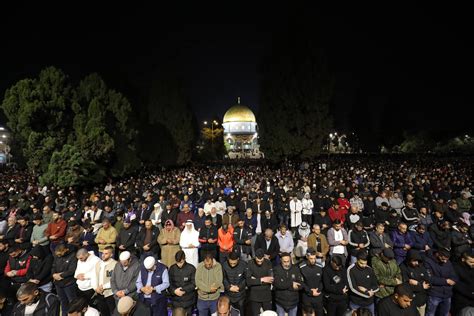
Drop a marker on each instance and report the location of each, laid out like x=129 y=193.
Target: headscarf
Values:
x=169 y=225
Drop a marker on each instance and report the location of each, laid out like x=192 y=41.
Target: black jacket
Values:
x=154 y=246
x=271 y=223
x=441 y=238
x=240 y=245
x=48 y=305
x=184 y=278
x=387 y=307
x=172 y=215
x=355 y=238
x=460 y=242
x=334 y=283
x=463 y=291
x=235 y=276
x=361 y=277
x=312 y=279
x=419 y=274
x=285 y=295
x=127 y=237
x=259 y=292
x=208 y=233
x=40 y=267
x=274 y=248
x=65 y=265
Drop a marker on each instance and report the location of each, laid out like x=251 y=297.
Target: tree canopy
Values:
x=71 y=135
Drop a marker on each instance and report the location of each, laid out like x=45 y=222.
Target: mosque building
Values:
x=241 y=132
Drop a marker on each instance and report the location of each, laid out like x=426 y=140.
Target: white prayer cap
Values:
x=149 y=262
x=124 y=256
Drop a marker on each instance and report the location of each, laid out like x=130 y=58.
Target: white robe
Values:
x=295 y=209
x=190 y=237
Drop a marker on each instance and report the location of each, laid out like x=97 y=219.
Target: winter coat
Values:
x=438 y=274
x=207 y=278
x=285 y=295
x=259 y=292
x=388 y=276
x=66 y=265
x=185 y=278
x=235 y=276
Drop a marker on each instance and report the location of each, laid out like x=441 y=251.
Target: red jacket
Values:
x=57 y=229
x=340 y=214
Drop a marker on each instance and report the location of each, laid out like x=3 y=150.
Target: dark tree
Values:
x=296 y=90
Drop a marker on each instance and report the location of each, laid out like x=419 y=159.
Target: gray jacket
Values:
x=125 y=279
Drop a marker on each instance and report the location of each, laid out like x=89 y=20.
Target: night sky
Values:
x=406 y=68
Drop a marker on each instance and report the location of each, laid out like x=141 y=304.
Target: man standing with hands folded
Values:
x=288 y=282
x=259 y=278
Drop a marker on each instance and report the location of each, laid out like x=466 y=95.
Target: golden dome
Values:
x=239 y=113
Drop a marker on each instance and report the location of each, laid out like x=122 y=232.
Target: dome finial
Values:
x=238 y=100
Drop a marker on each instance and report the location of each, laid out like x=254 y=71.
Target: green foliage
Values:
x=69 y=167
x=71 y=135
x=295 y=94
x=39 y=116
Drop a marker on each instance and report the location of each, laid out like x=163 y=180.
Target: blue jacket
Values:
x=421 y=240
x=399 y=240
x=438 y=274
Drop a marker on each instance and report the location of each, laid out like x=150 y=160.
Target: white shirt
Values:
x=91 y=312
x=338 y=236
x=30 y=309
x=88 y=269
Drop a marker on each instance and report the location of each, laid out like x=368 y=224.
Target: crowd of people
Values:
x=343 y=236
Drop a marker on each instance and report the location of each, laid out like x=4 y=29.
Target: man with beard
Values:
x=400 y=303
x=56 y=230
x=243 y=240
x=169 y=242
x=101 y=281
x=64 y=266
x=208 y=238
x=208 y=283
x=259 y=278
x=127 y=237
x=421 y=239
x=461 y=240
x=336 y=287
x=318 y=242
x=402 y=242
x=358 y=240
x=32 y=301
x=415 y=274
x=441 y=235
x=312 y=284
x=17 y=266
x=189 y=243
x=23 y=233
x=234 y=281
x=287 y=283
x=379 y=240
x=387 y=272
x=443 y=279
x=147 y=240
x=39 y=271
x=269 y=244
x=362 y=283
x=152 y=282
x=182 y=284
x=463 y=295
x=124 y=276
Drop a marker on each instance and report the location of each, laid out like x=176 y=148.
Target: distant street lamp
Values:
x=212 y=131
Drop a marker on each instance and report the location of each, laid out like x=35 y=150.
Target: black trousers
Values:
x=257 y=305
x=336 y=308
x=240 y=305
